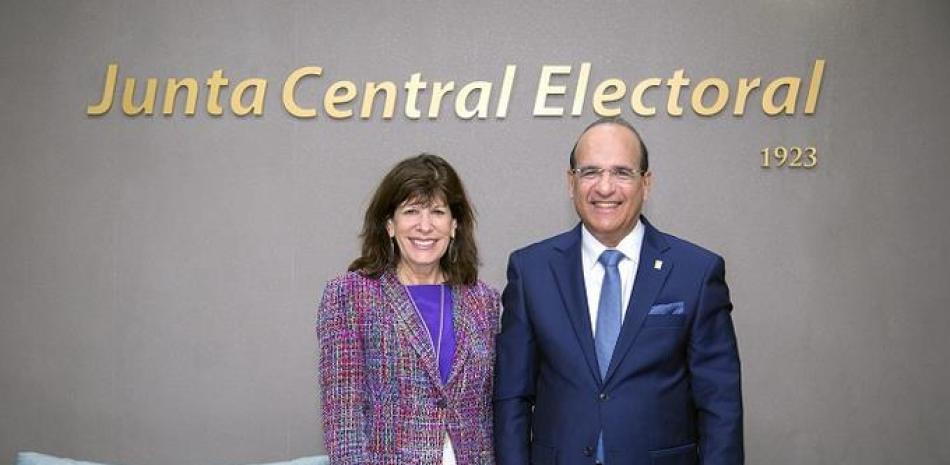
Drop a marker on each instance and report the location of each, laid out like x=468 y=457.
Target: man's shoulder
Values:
x=545 y=247
x=687 y=250
x=679 y=247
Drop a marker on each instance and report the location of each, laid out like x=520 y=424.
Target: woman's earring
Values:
x=453 y=250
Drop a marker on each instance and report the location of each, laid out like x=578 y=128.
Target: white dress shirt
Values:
x=448 y=452
x=591 y=249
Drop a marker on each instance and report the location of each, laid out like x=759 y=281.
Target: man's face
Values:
x=609 y=207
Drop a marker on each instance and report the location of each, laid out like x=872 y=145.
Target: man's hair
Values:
x=644 y=156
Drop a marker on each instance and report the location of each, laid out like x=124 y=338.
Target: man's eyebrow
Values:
x=611 y=166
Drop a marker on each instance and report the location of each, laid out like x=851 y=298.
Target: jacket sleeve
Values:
x=493 y=303
x=516 y=370
x=341 y=376
x=714 y=368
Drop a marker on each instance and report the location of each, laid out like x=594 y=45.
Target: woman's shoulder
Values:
x=351 y=278
x=483 y=289
x=348 y=294
x=350 y=282
x=487 y=303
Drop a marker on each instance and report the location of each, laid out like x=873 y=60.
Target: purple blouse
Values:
x=426 y=298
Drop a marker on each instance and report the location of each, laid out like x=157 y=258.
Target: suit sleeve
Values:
x=341 y=377
x=714 y=367
x=494 y=307
x=515 y=374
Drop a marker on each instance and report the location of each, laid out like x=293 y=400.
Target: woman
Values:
x=407 y=335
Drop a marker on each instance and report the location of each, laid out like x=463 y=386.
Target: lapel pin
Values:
x=658 y=265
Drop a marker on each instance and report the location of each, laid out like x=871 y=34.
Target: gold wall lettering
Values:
x=415 y=98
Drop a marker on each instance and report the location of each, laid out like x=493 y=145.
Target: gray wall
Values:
x=158 y=276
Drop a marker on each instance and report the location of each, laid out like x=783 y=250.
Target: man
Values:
x=617 y=346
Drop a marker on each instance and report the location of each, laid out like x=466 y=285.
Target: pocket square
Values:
x=673 y=308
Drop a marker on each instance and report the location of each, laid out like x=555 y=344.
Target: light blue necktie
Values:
x=608 y=320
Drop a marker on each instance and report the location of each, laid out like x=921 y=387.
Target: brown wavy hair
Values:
x=422 y=178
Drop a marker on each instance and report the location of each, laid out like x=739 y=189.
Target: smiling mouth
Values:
x=605 y=204
x=423 y=244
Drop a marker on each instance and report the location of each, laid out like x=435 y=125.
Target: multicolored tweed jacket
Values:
x=383 y=401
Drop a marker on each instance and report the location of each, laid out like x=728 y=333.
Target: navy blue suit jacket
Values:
x=672 y=391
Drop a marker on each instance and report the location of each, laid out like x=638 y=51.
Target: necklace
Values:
x=438 y=345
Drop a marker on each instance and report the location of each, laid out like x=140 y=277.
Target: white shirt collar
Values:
x=630 y=246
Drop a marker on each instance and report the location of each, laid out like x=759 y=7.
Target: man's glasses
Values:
x=617 y=173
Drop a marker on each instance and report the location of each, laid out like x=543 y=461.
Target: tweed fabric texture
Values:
x=383 y=400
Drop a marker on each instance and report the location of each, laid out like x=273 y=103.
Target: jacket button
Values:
x=588 y=451
x=441 y=403
x=603 y=396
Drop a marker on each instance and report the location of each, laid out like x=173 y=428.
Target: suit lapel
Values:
x=646 y=286
x=409 y=325
x=463 y=315
x=570 y=283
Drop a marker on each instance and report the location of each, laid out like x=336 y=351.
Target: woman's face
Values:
x=422 y=232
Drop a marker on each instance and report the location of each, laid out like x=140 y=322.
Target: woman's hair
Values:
x=423 y=178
